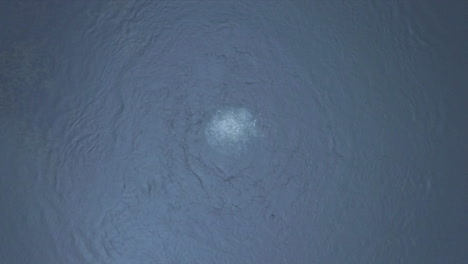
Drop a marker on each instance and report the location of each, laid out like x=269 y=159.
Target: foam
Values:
x=230 y=130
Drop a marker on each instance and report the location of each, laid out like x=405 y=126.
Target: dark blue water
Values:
x=233 y=132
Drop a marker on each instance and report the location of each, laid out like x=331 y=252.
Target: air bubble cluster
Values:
x=230 y=130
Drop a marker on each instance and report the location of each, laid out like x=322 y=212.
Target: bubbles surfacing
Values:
x=230 y=130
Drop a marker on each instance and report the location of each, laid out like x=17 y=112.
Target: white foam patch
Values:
x=230 y=130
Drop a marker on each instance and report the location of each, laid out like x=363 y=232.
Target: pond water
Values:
x=235 y=132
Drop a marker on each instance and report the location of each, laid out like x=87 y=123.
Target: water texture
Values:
x=233 y=132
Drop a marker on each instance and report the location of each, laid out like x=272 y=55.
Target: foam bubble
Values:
x=230 y=130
